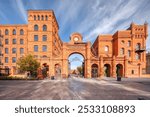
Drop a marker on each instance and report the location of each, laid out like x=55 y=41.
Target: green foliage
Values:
x=28 y=63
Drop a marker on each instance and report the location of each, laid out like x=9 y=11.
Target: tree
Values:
x=80 y=69
x=28 y=63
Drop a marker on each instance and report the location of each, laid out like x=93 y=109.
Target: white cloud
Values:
x=107 y=24
x=19 y=6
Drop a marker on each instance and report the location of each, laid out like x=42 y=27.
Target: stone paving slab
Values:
x=75 y=89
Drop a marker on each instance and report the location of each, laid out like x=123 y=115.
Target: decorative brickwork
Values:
x=121 y=54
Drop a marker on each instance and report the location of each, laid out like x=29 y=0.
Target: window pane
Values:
x=46 y=17
x=6 y=59
x=14 y=41
x=21 y=50
x=36 y=27
x=21 y=41
x=106 y=48
x=13 y=59
x=6 y=41
x=35 y=48
x=129 y=53
x=42 y=17
x=14 y=32
x=44 y=37
x=6 y=32
x=122 y=51
x=138 y=46
x=44 y=28
x=137 y=56
x=34 y=17
x=14 y=50
x=35 y=37
x=44 y=48
x=6 y=50
x=38 y=17
x=21 y=32
x=129 y=43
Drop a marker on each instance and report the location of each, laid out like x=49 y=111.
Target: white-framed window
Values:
x=122 y=51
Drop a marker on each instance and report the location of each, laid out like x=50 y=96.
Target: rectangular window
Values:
x=21 y=41
x=36 y=37
x=21 y=50
x=14 y=50
x=14 y=41
x=44 y=48
x=44 y=38
x=6 y=51
x=35 y=48
x=6 y=41
x=13 y=59
x=6 y=59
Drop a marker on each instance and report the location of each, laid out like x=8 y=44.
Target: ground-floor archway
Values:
x=107 y=70
x=76 y=65
x=94 y=71
x=119 y=70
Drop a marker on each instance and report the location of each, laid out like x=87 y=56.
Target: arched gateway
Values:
x=122 y=53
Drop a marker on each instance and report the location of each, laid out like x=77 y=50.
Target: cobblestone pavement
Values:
x=76 y=88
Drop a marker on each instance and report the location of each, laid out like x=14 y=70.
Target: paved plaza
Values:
x=76 y=89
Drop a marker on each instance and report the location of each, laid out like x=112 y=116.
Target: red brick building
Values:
x=122 y=53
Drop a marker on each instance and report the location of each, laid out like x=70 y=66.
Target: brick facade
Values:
x=119 y=54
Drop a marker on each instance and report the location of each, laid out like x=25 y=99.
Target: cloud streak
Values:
x=88 y=17
x=19 y=6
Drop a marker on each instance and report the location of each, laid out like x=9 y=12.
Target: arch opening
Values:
x=94 y=71
x=107 y=70
x=119 y=70
x=76 y=65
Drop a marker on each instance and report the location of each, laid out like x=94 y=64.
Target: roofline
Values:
x=7 y=25
x=46 y=10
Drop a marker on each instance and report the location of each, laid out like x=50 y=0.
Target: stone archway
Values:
x=94 y=71
x=107 y=70
x=119 y=70
x=76 y=65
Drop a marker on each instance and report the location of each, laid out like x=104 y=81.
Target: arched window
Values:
x=106 y=48
x=14 y=32
x=36 y=28
x=44 y=28
x=122 y=42
x=122 y=51
x=21 y=32
x=38 y=17
x=21 y=41
x=46 y=17
x=129 y=43
x=129 y=53
x=34 y=17
x=6 y=32
x=42 y=17
x=138 y=46
x=137 y=57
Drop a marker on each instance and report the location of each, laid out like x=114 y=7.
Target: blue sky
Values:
x=88 y=17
